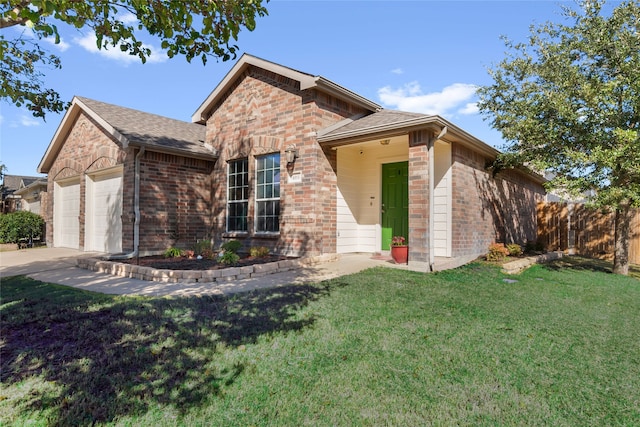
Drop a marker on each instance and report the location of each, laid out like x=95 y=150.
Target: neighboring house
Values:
x=22 y=193
x=280 y=158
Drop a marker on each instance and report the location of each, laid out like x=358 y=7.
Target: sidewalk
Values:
x=58 y=265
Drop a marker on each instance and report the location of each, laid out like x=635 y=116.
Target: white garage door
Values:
x=65 y=215
x=103 y=213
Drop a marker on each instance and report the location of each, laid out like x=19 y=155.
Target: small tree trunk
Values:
x=621 y=242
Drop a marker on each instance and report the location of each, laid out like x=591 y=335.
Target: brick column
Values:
x=419 y=200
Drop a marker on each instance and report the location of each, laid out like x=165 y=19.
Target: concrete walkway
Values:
x=58 y=265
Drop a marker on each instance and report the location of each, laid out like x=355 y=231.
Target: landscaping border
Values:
x=151 y=274
x=522 y=264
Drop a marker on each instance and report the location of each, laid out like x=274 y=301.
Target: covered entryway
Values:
x=66 y=212
x=103 y=231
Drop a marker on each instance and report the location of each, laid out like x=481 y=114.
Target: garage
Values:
x=103 y=231
x=66 y=224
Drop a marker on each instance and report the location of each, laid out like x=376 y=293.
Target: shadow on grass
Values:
x=588 y=264
x=114 y=356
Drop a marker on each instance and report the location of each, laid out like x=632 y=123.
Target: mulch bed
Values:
x=184 y=263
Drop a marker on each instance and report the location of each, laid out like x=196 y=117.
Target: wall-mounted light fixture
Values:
x=291 y=154
x=385 y=141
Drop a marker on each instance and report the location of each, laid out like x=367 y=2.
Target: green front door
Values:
x=395 y=202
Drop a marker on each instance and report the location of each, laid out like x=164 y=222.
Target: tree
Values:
x=194 y=28
x=567 y=101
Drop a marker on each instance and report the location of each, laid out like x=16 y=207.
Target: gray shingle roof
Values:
x=151 y=130
x=12 y=182
x=374 y=120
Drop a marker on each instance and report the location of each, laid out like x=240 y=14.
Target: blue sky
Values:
x=420 y=56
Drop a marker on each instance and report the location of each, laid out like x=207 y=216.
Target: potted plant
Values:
x=399 y=250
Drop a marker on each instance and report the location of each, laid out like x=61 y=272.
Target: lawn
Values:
x=559 y=347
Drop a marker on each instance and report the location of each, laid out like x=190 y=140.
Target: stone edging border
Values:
x=520 y=265
x=200 y=276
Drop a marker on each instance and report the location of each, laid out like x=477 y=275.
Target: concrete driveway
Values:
x=58 y=265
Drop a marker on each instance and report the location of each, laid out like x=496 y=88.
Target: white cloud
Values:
x=29 y=121
x=114 y=53
x=469 y=109
x=62 y=46
x=397 y=71
x=453 y=98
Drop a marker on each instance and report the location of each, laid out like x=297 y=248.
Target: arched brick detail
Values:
x=67 y=170
x=266 y=144
x=102 y=163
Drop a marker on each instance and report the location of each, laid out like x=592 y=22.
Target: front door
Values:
x=395 y=202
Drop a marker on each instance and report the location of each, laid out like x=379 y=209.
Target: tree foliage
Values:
x=194 y=28
x=567 y=101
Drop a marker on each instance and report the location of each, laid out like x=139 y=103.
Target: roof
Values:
x=307 y=81
x=132 y=127
x=31 y=185
x=12 y=183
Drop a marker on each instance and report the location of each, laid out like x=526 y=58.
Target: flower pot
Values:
x=400 y=254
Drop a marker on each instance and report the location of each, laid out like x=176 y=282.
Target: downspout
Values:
x=136 y=212
x=432 y=174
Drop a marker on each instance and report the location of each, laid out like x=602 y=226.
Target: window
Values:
x=237 y=195
x=268 y=193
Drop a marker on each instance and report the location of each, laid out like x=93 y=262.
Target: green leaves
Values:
x=195 y=28
x=568 y=99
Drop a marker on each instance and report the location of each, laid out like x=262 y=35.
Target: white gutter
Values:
x=136 y=212
x=432 y=174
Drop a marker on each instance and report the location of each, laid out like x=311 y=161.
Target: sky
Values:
x=420 y=56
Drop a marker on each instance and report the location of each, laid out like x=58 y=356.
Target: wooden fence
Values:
x=583 y=230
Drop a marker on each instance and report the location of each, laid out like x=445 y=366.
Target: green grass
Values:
x=560 y=347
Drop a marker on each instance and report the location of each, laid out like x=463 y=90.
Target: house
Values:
x=280 y=158
x=22 y=193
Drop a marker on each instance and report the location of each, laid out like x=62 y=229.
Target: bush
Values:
x=229 y=258
x=497 y=252
x=232 y=246
x=259 y=252
x=172 y=253
x=514 y=249
x=15 y=226
x=202 y=246
x=208 y=254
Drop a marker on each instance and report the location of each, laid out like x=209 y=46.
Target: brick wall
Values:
x=86 y=148
x=175 y=191
x=175 y=202
x=487 y=209
x=265 y=113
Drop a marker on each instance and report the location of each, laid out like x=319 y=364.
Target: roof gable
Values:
x=307 y=81
x=132 y=127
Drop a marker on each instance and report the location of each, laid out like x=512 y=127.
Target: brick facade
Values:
x=87 y=149
x=175 y=191
x=175 y=202
x=266 y=113
x=487 y=209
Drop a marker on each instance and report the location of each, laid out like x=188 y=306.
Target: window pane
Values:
x=237 y=190
x=268 y=193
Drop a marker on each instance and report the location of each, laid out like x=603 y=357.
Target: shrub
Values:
x=514 y=249
x=232 y=246
x=259 y=251
x=497 y=252
x=208 y=254
x=15 y=226
x=229 y=258
x=172 y=253
x=188 y=253
x=202 y=246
